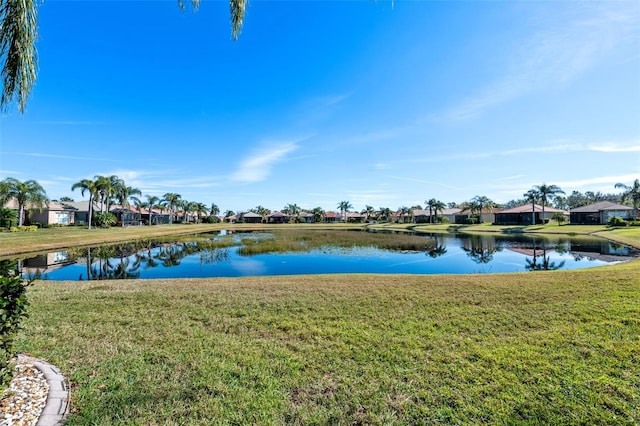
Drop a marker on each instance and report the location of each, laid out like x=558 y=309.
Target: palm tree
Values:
x=547 y=193
x=25 y=192
x=344 y=207
x=125 y=193
x=152 y=203
x=89 y=186
x=435 y=206
x=482 y=202
x=369 y=211
x=293 y=210
x=214 y=210
x=404 y=212
x=384 y=212
x=199 y=209
x=631 y=193
x=18 y=35
x=172 y=199
x=532 y=196
x=107 y=188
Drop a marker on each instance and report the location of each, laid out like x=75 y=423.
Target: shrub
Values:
x=558 y=217
x=104 y=219
x=24 y=228
x=443 y=219
x=616 y=221
x=8 y=217
x=13 y=308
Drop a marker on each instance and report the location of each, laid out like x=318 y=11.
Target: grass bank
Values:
x=531 y=348
x=543 y=348
x=14 y=243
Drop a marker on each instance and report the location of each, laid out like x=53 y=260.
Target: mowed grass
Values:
x=530 y=348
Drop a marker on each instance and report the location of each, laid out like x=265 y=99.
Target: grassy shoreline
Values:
x=558 y=347
x=19 y=243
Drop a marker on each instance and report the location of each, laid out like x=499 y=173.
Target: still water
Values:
x=448 y=254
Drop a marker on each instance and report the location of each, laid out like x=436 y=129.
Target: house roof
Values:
x=445 y=212
x=48 y=205
x=251 y=214
x=278 y=214
x=487 y=211
x=527 y=209
x=332 y=214
x=600 y=206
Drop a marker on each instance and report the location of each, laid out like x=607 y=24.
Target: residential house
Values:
x=525 y=215
x=52 y=213
x=305 y=217
x=466 y=216
x=250 y=217
x=424 y=216
x=332 y=217
x=278 y=217
x=599 y=213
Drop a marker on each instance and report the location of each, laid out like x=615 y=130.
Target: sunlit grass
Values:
x=543 y=348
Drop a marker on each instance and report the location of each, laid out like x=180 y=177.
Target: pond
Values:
x=316 y=252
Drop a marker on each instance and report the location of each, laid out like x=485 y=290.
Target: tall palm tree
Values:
x=199 y=209
x=172 y=200
x=125 y=193
x=532 y=196
x=214 y=210
x=152 y=203
x=107 y=188
x=87 y=185
x=547 y=193
x=483 y=202
x=18 y=35
x=344 y=207
x=29 y=191
x=631 y=193
x=435 y=206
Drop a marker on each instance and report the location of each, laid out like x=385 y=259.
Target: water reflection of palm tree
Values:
x=439 y=248
x=480 y=248
x=545 y=264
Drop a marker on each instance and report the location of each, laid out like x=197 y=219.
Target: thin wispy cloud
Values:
x=557 y=55
x=259 y=164
x=615 y=147
x=510 y=177
x=60 y=156
x=598 y=180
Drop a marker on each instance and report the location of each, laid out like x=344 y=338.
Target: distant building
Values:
x=599 y=213
x=525 y=215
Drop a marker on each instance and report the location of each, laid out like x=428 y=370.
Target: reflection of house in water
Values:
x=44 y=263
x=605 y=251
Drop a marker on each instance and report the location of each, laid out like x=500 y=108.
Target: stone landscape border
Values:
x=56 y=408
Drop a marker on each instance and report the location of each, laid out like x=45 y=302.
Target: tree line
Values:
x=107 y=191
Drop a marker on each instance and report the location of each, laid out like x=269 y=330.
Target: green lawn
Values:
x=543 y=348
x=529 y=348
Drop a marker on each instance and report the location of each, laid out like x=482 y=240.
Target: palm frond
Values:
x=18 y=35
x=238 y=10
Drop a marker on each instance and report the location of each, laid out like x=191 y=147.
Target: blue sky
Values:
x=380 y=103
